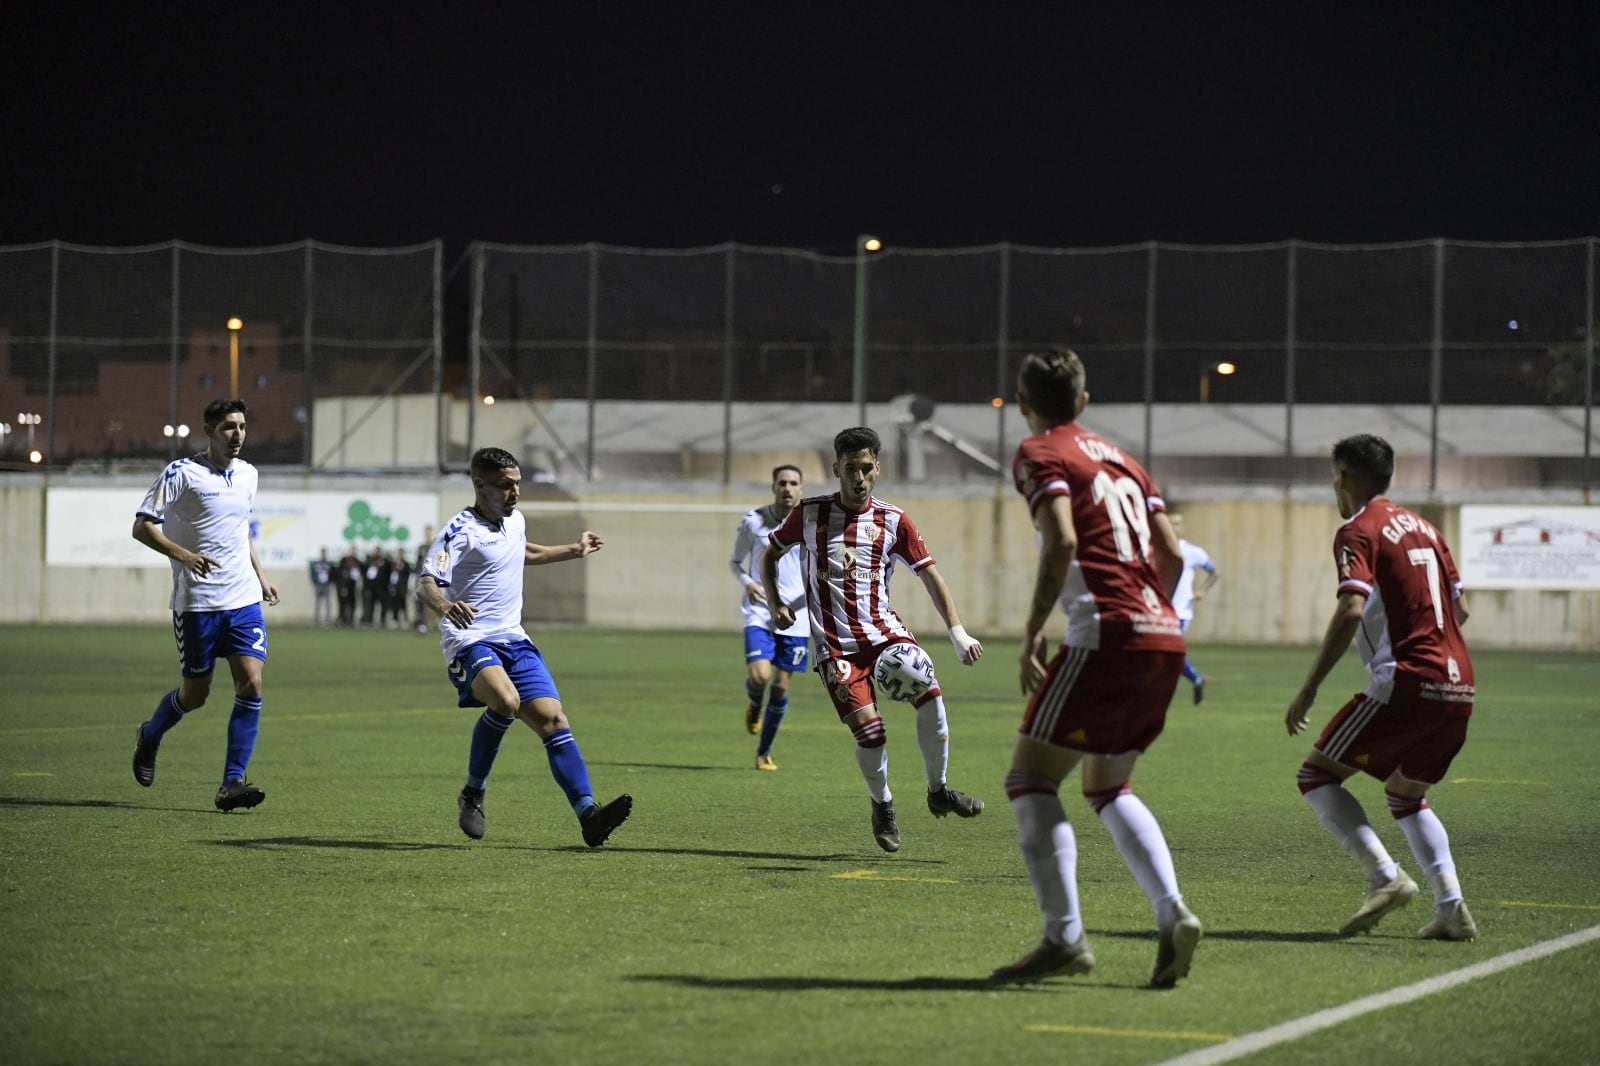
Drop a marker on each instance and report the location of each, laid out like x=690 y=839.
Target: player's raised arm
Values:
x=538 y=554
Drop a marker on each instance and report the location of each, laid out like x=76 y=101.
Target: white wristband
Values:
x=959 y=639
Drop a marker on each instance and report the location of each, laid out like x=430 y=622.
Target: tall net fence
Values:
x=1212 y=343
x=598 y=360
x=113 y=353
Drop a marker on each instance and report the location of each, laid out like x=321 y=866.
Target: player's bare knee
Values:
x=1101 y=798
x=870 y=733
x=1312 y=777
x=543 y=718
x=760 y=672
x=194 y=692
x=1030 y=783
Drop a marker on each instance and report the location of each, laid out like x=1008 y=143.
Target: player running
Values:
x=851 y=542
x=478 y=559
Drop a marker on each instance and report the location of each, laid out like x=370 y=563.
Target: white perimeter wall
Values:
x=665 y=563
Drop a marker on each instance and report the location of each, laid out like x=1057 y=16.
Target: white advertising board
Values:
x=1529 y=547
x=93 y=527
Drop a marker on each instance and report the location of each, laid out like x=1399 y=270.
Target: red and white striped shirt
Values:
x=848 y=557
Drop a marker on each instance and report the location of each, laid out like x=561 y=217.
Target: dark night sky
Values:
x=799 y=125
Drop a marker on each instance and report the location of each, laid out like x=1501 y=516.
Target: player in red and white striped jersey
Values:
x=1400 y=600
x=851 y=542
x=1111 y=558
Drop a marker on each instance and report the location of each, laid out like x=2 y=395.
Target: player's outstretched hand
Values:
x=968 y=650
x=269 y=593
x=1299 y=713
x=589 y=542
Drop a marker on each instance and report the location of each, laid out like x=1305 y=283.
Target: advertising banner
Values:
x=93 y=526
x=1529 y=547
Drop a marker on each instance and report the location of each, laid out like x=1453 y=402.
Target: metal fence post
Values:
x=1149 y=354
x=307 y=357
x=1588 y=370
x=1292 y=293
x=50 y=392
x=727 y=363
x=175 y=325
x=593 y=356
x=438 y=351
x=1002 y=353
x=1436 y=366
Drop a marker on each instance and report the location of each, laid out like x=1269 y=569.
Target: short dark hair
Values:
x=1053 y=380
x=781 y=467
x=487 y=462
x=855 y=439
x=217 y=410
x=1367 y=456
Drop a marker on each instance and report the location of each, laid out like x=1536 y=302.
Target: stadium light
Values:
x=235 y=324
x=1223 y=369
x=866 y=245
x=30 y=419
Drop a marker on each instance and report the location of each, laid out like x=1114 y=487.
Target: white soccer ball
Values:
x=903 y=672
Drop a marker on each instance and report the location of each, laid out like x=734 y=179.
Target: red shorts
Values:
x=1103 y=702
x=1419 y=737
x=849 y=680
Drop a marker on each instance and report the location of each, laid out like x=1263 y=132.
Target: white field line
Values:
x=1250 y=1043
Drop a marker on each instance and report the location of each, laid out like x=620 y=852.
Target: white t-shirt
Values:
x=1194 y=558
x=473 y=561
x=749 y=545
x=207 y=510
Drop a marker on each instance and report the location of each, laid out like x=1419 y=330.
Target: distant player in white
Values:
x=197 y=514
x=765 y=643
x=472 y=578
x=1199 y=574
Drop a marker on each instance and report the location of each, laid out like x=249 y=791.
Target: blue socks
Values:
x=770 y=723
x=169 y=712
x=486 y=737
x=243 y=725
x=569 y=769
x=1189 y=672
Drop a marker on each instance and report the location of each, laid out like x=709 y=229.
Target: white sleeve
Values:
x=744 y=540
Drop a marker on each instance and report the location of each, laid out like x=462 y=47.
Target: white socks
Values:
x=1050 y=852
x=933 y=737
x=1342 y=815
x=1138 y=838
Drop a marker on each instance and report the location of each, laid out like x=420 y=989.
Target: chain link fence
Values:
x=704 y=363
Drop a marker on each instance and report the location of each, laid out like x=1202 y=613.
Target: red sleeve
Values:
x=789 y=533
x=1352 y=553
x=1038 y=474
x=909 y=546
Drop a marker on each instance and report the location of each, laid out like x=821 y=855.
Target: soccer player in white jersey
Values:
x=1199 y=574
x=851 y=541
x=472 y=578
x=197 y=514
x=772 y=654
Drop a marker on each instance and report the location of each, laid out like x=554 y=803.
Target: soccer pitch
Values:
x=738 y=916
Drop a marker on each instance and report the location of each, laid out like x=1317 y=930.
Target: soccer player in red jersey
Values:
x=851 y=541
x=1109 y=555
x=1400 y=600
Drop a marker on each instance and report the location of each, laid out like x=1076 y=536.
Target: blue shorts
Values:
x=786 y=653
x=522 y=663
x=206 y=636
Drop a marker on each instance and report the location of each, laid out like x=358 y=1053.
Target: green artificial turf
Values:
x=738 y=916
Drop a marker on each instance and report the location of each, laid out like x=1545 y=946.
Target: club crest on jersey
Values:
x=1454 y=670
x=441 y=562
x=1025 y=477
x=873 y=531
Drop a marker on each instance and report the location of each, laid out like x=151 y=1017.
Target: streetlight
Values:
x=1223 y=368
x=865 y=245
x=234 y=326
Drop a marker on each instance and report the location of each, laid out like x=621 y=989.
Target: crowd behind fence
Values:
x=110 y=353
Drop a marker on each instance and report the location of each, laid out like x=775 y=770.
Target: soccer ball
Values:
x=903 y=672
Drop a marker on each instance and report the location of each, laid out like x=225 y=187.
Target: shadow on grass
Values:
x=802 y=984
x=26 y=801
x=663 y=765
x=765 y=856
x=334 y=842
x=1277 y=936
